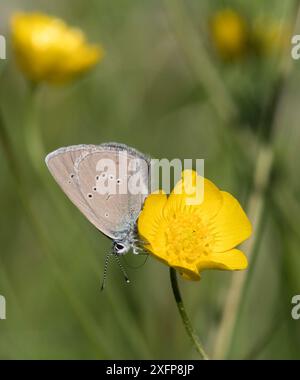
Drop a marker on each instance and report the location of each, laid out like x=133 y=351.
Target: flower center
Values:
x=187 y=238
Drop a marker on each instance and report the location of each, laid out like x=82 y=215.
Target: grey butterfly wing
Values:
x=61 y=164
x=75 y=170
x=108 y=188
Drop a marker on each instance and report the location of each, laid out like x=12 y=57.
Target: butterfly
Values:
x=109 y=184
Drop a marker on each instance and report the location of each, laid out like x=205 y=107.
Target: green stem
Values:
x=255 y=212
x=46 y=244
x=261 y=182
x=185 y=319
x=204 y=70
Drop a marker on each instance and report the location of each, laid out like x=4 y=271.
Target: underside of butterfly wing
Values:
x=107 y=176
x=79 y=172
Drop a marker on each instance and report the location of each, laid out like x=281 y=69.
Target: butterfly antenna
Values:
x=105 y=270
x=122 y=269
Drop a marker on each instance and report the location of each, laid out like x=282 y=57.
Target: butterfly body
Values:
x=127 y=241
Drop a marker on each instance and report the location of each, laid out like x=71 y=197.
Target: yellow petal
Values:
x=194 y=187
x=230 y=226
x=230 y=260
x=151 y=216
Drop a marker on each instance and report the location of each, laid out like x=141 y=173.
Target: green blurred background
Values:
x=164 y=89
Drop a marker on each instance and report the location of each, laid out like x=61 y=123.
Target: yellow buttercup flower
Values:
x=194 y=237
x=48 y=50
x=229 y=32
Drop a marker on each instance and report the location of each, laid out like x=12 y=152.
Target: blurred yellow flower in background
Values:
x=229 y=32
x=48 y=50
x=270 y=36
x=234 y=37
x=191 y=238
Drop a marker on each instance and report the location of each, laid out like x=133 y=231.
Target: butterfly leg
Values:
x=138 y=250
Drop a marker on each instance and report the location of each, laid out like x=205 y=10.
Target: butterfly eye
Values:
x=120 y=248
